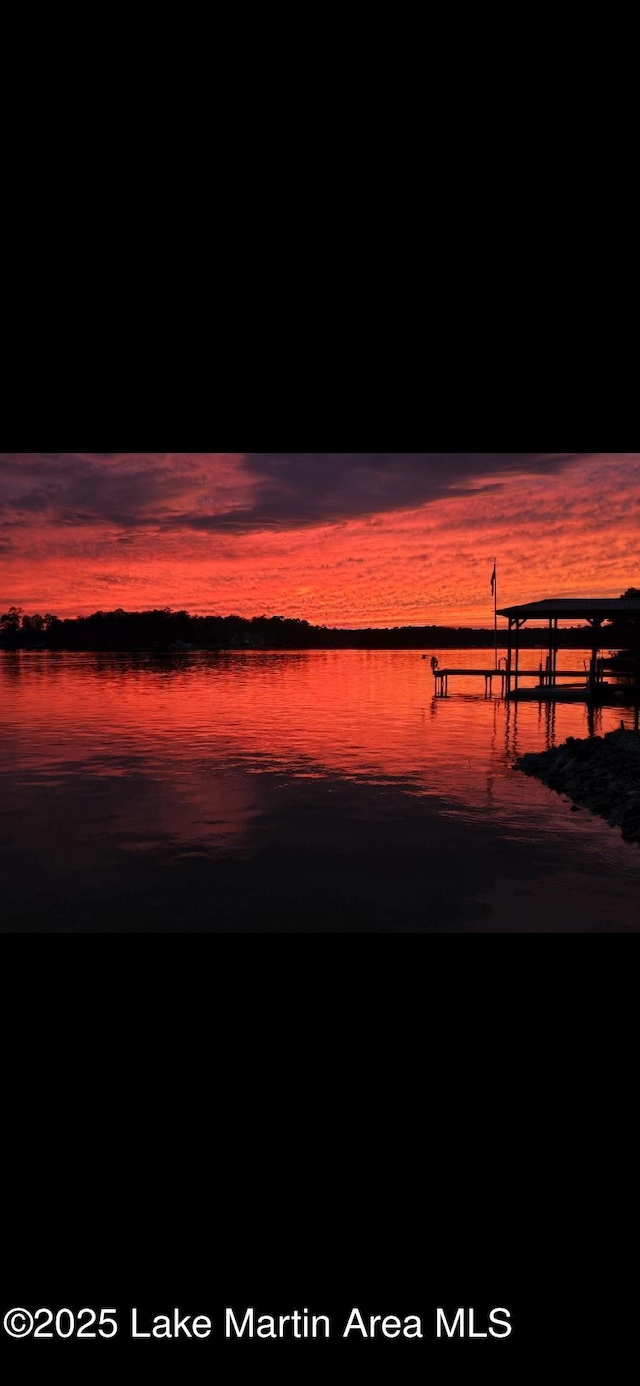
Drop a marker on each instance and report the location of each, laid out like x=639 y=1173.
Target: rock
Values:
x=601 y=773
x=630 y=823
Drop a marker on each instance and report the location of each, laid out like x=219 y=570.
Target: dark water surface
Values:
x=322 y=791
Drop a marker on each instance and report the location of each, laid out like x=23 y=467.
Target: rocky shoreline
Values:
x=600 y=773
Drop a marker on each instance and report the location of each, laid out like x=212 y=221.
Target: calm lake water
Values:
x=323 y=791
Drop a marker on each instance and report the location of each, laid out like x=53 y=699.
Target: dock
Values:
x=442 y=677
x=588 y=683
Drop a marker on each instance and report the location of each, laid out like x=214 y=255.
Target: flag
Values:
x=493 y=580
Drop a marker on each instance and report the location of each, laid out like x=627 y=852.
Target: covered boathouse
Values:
x=593 y=610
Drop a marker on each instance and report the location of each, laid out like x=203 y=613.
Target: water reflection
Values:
x=124 y=771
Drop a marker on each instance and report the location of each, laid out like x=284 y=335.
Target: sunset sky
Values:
x=345 y=539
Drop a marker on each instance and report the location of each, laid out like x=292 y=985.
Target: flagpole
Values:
x=495 y=606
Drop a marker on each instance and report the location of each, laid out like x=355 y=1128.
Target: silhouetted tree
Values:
x=10 y=621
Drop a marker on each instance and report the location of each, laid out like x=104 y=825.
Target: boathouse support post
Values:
x=508 y=678
x=593 y=672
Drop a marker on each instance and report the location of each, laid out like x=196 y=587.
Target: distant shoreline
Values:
x=167 y=630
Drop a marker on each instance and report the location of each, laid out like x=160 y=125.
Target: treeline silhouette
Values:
x=164 y=629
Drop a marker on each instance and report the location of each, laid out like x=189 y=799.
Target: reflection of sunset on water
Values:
x=190 y=736
x=322 y=789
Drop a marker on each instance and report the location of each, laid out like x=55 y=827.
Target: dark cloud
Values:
x=83 y=488
x=172 y=492
x=310 y=488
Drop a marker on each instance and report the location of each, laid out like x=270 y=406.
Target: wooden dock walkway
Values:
x=442 y=677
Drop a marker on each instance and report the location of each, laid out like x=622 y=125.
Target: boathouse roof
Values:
x=574 y=608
